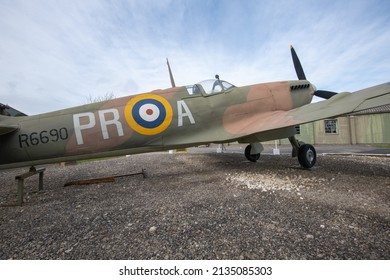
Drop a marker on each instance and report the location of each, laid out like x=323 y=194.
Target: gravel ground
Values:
x=202 y=206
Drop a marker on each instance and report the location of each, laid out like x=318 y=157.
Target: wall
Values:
x=358 y=129
x=373 y=129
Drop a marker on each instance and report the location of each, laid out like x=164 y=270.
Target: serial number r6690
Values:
x=43 y=137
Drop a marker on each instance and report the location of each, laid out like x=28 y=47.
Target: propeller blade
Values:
x=324 y=93
x=297 y=65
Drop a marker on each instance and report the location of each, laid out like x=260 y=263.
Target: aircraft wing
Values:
x=340 y=104
x=343 y=103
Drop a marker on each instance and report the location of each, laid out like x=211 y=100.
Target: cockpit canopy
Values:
x=209 y=87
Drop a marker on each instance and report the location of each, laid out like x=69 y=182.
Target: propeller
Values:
x=297 y=65
x=324 y=93
x=301 y=76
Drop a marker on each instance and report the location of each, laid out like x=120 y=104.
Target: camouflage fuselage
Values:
x=159 y=120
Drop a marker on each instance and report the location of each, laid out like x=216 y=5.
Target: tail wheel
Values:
x=248 y=155
x=307 y=156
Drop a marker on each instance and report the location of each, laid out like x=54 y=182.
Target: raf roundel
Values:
x=148 y=114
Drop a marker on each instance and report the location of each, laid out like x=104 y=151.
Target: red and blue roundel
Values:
x=148 y=114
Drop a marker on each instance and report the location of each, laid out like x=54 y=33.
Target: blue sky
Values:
x=54 y=54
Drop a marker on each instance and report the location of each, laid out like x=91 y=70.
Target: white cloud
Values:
x=54 y=54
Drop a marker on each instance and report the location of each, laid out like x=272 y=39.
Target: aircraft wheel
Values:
x=307 y=156
x=248 y=155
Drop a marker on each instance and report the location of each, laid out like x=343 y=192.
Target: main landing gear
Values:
x=307 y=155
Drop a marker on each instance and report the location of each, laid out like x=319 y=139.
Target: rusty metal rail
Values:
x=103 y=179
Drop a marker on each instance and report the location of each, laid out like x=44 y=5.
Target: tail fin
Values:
x=6 y=110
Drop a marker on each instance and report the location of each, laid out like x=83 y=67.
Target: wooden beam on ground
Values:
x=20 y=182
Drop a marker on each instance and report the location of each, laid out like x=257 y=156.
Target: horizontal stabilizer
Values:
x=4 y=129
x=7 y=110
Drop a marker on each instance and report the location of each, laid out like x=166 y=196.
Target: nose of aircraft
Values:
x=314 y=88
x=311 y=93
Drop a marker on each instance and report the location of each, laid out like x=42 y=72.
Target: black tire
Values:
x=252 y=158
x=307 y=156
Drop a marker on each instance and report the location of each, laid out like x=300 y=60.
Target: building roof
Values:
x=375 y=110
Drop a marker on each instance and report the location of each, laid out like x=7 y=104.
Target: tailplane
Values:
x=7 y=121
x=6 y=110
x=7 y=127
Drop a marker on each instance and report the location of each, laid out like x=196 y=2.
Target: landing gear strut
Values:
x=307 y=155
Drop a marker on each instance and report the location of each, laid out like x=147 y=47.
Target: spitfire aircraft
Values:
x=212 y=111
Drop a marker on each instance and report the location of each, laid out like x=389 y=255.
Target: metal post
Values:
x=40 y=181
x=276 y=150
x=20 y=191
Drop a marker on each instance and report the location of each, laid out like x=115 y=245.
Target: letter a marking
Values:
x=183 y=111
